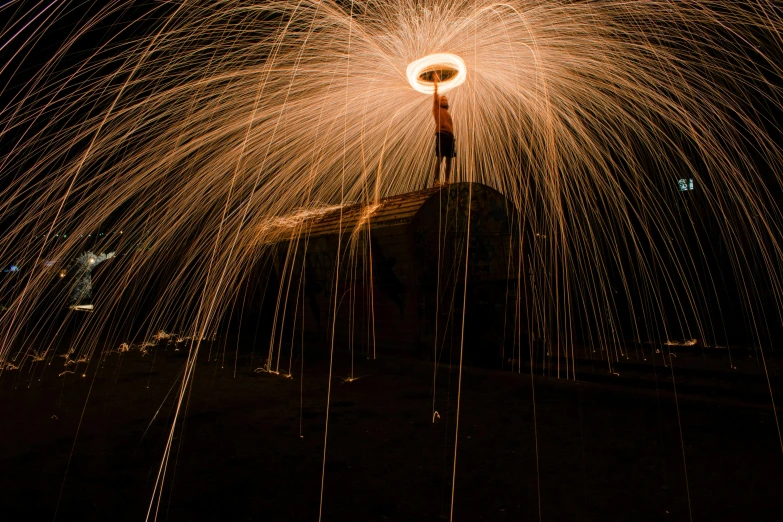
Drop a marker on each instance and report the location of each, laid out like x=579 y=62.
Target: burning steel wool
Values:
x=194 y=137
x=449 y=67
x=201 y=132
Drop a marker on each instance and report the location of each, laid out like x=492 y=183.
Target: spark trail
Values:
x=208 y=131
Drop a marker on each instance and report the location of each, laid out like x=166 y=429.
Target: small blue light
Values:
x=685 y=184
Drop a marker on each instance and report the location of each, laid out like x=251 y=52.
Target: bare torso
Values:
x=443 y=121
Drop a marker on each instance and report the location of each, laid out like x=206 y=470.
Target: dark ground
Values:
x=605 y=453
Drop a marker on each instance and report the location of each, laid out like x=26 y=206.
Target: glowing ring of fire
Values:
x=433 y=62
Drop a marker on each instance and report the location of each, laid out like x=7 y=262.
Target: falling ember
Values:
x=223 y=127
x=449 y=68
x=585 y=115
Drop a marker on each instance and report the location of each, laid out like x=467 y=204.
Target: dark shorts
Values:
x=444 y=145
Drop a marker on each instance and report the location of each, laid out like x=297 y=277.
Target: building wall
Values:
x=400 y=283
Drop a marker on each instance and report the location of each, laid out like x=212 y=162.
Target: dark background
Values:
x=608 y=448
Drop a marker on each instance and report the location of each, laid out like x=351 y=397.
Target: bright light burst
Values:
x=436 y=62
x=205 y=130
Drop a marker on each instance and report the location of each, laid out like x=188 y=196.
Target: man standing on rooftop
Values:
x=444 y=134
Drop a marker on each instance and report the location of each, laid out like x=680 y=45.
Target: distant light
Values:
x=14 y=268
x=445 y=62
x=685 y=184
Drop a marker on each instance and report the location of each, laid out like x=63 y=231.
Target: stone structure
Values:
x=392 y=275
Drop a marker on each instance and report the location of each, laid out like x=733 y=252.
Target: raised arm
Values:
x=435 y=97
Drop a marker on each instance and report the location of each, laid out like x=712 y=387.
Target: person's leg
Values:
x=436 y=172
x=448 y=169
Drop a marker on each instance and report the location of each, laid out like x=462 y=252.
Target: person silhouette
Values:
x=444 y=134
